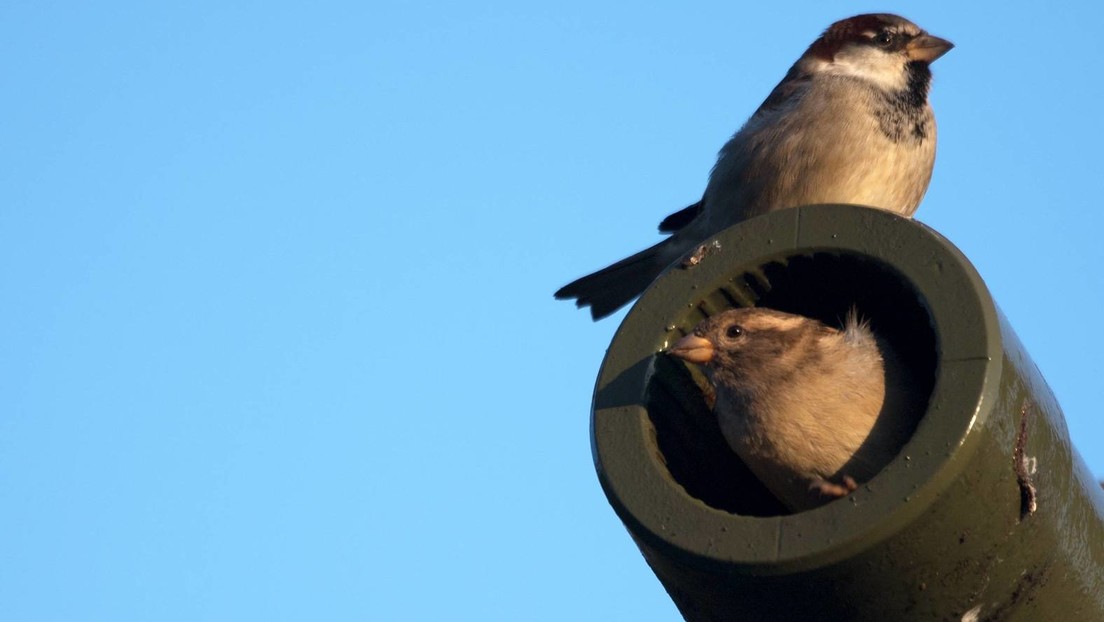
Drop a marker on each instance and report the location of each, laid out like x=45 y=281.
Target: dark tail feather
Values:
x=611 y=288
x=681 y=218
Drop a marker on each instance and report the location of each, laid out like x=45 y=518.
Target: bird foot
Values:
x=832 y=489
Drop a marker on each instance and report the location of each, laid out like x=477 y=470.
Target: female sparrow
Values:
x=813 y=411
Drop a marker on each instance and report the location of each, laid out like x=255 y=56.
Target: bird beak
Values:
x=927 y=48
x=693 y=349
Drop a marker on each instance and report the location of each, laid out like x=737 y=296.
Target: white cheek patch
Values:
x=885 y=69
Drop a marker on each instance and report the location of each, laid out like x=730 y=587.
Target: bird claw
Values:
x=832 y=489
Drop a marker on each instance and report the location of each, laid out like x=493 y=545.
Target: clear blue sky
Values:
x=277 y=339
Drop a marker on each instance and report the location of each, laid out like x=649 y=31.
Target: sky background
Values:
x=277 y=335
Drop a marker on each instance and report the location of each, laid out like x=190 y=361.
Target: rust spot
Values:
x=700 y=253
x=1020 y=462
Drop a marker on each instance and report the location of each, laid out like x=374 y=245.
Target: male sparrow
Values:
x=813 y=411
x=850 y=123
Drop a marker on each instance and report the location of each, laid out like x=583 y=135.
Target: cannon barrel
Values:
x=987 y=512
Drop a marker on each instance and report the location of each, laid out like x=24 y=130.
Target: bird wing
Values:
x=681 y=218
x=796 y=79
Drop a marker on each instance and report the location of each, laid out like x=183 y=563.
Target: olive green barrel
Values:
x=987 y=513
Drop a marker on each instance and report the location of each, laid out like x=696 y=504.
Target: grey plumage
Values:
x=850 y=123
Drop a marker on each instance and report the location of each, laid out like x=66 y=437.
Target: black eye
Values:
x=734 y=331
x=883 y=39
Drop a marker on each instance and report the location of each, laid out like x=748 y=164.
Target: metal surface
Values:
x=988 y=513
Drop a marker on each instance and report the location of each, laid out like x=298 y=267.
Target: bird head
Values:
x=750 y=344
x=887 y=50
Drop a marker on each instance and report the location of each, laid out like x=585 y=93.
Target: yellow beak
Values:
x=693 y=349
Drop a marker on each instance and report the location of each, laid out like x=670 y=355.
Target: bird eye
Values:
x=734 y=331
x=883 y=38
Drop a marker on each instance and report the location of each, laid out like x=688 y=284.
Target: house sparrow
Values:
x=850 y=123
x=804 y=405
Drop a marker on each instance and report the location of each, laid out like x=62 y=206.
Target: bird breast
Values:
x=837 y=141
x=809 y=426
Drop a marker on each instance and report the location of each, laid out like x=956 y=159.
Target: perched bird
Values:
x=850 y=123
x=803 y=404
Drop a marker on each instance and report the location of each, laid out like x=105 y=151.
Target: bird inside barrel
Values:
x=813 y=410
x=849 y=123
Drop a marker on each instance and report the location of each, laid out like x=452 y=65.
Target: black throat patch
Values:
x=901 y=116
